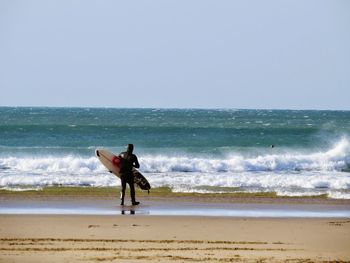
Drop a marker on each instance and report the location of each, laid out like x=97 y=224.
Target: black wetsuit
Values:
x=129 y=161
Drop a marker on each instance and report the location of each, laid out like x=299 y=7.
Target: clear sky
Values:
x=176 y=53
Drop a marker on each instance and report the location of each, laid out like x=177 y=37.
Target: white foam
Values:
x=21 y=189
x=262 y=180
x=338 y=195
x=67 y=170
x=287 y=173
x=335 y=159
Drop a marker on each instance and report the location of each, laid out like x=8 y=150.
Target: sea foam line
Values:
x=288 y=173
x=335 y=159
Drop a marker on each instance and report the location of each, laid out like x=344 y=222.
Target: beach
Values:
x=229 y=118
x=181 y=239
x=219 y=191
x=130 y=234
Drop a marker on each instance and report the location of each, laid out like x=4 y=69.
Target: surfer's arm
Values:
x=136 y=162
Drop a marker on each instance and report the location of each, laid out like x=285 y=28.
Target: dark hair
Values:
x=130 y=147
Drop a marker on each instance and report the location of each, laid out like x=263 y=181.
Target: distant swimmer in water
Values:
x=272 y=146
x=126 y=175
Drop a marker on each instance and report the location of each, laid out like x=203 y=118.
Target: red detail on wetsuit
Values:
x=116 y=161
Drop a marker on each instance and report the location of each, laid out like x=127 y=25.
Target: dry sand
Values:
x=136 y=238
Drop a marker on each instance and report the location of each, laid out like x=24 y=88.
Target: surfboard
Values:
x=114 y=163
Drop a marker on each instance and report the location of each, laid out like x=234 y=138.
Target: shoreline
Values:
x=89 y=225
x=163 y=193
x=96 y=202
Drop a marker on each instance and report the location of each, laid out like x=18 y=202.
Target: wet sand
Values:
x=168 y=207
x=166 y=229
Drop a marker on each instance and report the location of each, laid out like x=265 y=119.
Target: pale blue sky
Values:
x=179 y=53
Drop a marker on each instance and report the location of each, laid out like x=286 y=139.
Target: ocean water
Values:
x=188 y=150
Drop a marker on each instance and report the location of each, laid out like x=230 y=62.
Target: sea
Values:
x=289 y=152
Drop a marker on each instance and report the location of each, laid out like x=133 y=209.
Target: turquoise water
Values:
x=186 y=149
x=77 y=130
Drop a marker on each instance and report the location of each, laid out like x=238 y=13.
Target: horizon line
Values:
x=172 y=108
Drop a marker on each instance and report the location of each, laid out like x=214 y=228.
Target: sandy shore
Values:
x=60 y=232
x=133 y=238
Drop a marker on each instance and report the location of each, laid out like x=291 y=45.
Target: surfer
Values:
x=129 y=161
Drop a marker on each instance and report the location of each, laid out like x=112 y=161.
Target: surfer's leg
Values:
x=132 y=191
x=123 y=191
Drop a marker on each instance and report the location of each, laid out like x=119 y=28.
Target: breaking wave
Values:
x=287 y=173
x=336 y=159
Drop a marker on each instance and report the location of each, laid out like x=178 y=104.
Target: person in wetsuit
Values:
x=129 y=160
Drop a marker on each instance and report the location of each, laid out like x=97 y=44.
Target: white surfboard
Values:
x=114 y=163
x=110 y=161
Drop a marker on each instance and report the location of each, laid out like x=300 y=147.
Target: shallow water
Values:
x=174 y=209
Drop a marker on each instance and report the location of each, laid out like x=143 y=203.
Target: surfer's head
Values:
x=130 y=148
